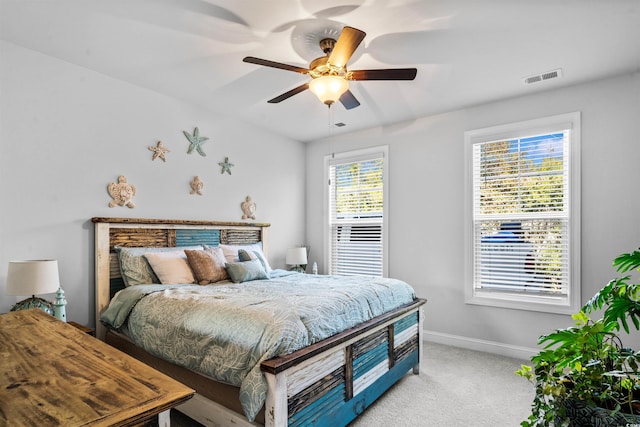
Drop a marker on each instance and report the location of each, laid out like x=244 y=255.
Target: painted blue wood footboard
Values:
x=333 y=388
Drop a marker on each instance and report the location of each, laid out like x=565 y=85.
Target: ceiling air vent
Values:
x=554 y=74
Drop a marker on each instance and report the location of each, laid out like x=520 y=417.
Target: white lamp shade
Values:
x=296 y=256
x=32 y=277
x=328 y=89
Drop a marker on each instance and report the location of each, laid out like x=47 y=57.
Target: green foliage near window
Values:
x=588 y=363
x=512 y=182
x=359 y=187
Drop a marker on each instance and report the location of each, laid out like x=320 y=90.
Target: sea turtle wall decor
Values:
x=159 y=151
x=226 y=166
x=248 y=208
x=122 y=193
x=195 y=141
x=196 y=186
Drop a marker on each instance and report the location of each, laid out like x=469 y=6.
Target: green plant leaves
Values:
x=619 y=296
x=626 y=262
x=587 y=362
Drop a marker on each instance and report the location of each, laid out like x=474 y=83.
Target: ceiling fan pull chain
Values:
x=330 y=115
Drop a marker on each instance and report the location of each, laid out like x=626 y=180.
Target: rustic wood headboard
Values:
x=155 y=233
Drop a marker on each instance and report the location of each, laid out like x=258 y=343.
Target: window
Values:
x=356 y=212
x=522 y=237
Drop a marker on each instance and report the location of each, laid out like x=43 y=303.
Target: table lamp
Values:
x=297 y=257
x=33 y=277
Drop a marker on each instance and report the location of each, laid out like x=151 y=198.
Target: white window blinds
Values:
x=356 y=214
x=521 y=214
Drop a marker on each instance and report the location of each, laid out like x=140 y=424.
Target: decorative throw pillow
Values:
x=207 y=265
x=134 y=267
x=231 y=253
x=248 y=256
x=246 y=270
x=170 y=267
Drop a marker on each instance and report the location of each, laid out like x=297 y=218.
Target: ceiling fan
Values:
x=329 y=73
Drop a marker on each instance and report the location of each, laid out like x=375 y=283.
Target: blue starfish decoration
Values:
x=196 y=141
x=226 y=166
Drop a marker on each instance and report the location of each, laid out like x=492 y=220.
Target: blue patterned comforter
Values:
x=226 y=331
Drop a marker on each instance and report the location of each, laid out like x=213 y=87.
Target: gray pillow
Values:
x=245 y=271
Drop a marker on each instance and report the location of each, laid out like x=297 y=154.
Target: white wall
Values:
x=66 y=132
x=426 y=177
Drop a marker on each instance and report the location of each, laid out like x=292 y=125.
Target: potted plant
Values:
x=584 y=375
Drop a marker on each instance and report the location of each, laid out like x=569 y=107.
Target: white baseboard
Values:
x=508 y=350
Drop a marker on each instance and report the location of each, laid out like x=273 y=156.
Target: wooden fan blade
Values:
x=348 y=100
x=349 y=40
x=385 y=74
x=289 y=94
x=273 y=64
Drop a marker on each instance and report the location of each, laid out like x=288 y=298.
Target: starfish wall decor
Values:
x=226 y=166
x=195 y=141
x=159 y=151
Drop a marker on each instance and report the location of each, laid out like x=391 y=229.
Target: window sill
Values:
x=522 y=301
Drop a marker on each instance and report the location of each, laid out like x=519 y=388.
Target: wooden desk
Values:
x=54 y=374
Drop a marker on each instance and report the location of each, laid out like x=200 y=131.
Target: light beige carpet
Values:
x=457 y=388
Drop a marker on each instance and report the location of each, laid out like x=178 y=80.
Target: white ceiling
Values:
x=467 y=52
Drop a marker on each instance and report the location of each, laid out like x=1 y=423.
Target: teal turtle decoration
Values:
x=226 y=166
x=195 y=141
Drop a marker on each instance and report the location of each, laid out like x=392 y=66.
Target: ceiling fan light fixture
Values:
x=328 y=89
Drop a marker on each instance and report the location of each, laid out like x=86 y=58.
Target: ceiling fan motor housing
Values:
x=320 y=67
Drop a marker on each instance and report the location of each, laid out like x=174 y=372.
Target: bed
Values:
x=325 y=381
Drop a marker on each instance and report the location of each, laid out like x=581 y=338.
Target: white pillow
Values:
x=171 y=267
x=231 y=253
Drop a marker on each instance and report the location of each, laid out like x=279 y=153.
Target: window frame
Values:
x=354 y=156
x=521 y=299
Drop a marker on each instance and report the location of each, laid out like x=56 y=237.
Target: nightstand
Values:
x=83 y=328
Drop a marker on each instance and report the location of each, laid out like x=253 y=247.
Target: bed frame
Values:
x=326 y=384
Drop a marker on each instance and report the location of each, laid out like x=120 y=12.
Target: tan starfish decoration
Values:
x=159 y=151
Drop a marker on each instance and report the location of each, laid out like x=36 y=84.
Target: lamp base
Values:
x=299 y=268
x=34 y=302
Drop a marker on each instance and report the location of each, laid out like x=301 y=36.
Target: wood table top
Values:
x=54 y=374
